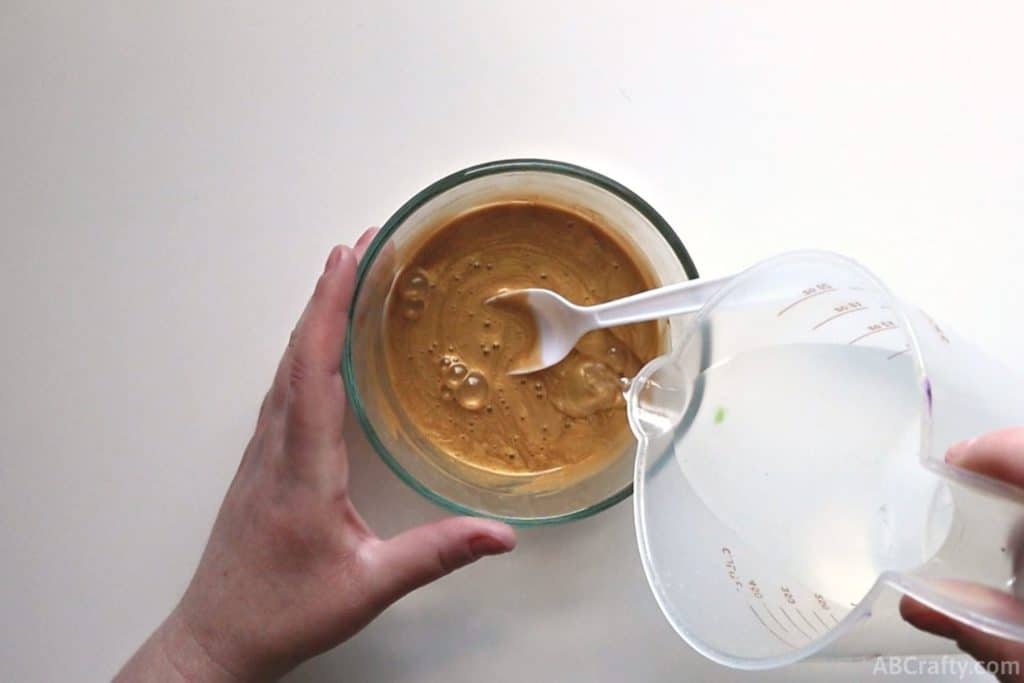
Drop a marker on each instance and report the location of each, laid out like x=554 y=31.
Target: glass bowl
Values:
x=515 y=498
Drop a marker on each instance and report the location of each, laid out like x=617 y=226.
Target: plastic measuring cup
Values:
x=790 y=480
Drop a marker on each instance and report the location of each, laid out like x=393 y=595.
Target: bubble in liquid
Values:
x=447 y=394
x=414 y=285
x=583 y=387
x=455 y=374
x=472 y=393
x=413 y=310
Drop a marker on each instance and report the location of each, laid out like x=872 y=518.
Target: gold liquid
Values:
x=448 y=351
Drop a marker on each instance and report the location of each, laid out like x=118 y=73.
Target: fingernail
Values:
x=487 y=545
x=332 y=258
x=958 y=451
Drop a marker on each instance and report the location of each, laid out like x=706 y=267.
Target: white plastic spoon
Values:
x=560 y=323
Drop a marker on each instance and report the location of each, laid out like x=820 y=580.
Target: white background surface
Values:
x=172 y=176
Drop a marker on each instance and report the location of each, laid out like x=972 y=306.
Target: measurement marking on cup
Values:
x=833 y=617
x=809 y=293
x=898 y=353
x=818 y=617
x=883 y=326
x=775 y=618
x=813 y=628
x=845 y=309
x=769 y=628
x=798 y=629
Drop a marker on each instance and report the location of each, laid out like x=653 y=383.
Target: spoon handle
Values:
x=683 y=297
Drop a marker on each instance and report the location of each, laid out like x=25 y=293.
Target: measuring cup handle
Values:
x=684 y=297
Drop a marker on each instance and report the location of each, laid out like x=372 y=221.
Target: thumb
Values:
x=999 y=455
x=416 y=557
x=999 y=655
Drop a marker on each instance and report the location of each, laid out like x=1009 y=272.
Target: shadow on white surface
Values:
x=570 y=603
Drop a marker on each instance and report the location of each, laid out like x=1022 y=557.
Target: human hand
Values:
x=999 y=455
x=290 y=568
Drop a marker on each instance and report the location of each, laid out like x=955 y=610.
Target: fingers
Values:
x=999 y=455
x=986 y=648
x=321 y=331
x=309 y=366
x=424 y=554
x=279 y=389
x=364 y=241
x=983 y=647
x=925 y=618
x=309 y=369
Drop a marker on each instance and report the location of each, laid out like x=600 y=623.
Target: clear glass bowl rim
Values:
x=398 y=218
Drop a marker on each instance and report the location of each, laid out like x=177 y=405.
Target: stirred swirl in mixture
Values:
x=448 y=351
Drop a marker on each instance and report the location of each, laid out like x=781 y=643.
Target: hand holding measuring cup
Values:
x=803 y=390
x=794 y=437
x=999 y=455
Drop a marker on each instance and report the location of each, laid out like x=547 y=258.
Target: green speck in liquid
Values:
x=719 y=415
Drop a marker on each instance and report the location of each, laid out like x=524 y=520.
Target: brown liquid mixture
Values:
x=448 y=351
